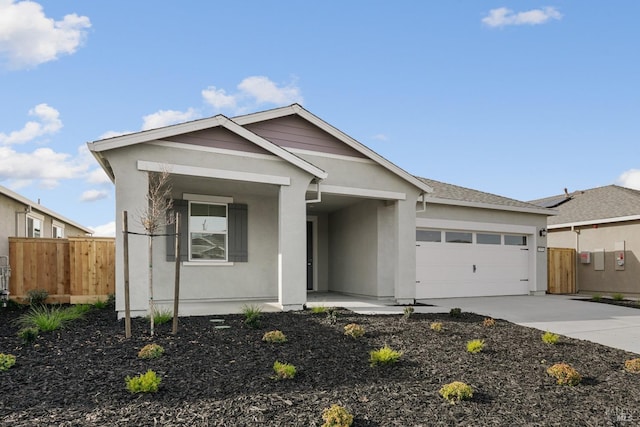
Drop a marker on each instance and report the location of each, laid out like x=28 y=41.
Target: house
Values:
x=22 y=217
x=603 y=226
x=279 y=203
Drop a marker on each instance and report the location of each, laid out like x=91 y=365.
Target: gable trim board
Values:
x=534 y=210
x=595 y=222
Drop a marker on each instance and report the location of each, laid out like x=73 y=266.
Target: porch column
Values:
x=292 y=238
x=405 y=274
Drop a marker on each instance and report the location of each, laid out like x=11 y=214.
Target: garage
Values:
x=463 y=263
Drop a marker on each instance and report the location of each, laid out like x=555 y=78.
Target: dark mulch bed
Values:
x=222 y=377
x=605 y=300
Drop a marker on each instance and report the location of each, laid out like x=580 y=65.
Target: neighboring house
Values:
x=278 y=203
x=22 y=217
x=603 y=226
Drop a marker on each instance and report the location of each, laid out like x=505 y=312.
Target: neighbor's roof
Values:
x=39 y=207
x=592 y=206
x=450 y=194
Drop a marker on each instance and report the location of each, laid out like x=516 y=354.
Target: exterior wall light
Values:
x=543 y=232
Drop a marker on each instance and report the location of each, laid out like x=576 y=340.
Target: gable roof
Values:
x=236 y=125
x=449 y=194
x=610 y=203
x=37 y=206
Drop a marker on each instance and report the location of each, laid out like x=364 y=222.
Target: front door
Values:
x=309 y=255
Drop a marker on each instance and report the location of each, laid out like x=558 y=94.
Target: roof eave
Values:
x=595 y=221
x=479 y=205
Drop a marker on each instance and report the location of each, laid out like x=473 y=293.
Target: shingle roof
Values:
x=611 y=201
x=443 y=190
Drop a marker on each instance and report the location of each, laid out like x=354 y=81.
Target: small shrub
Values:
x=336 y=416
x=284 y=371
x=455 y=312
x=632 y=365
x=436 y=326
x=456 y=391
x=6 y=361
x=252 y=314
x=28 y=334
x=489 y=322
x=37 y=296
x=617 y=297
x=332 y=316
x=565 y=374
x=384 y=356
x=274 y=336
x=150 y=351
x=550 y=338
x=354 y=330
x=319 y=309
x=143 y=383
x=161 y=316
x=596 y=297
x=407 y=312
x=475 y=346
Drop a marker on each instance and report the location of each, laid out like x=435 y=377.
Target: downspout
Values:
x=318 y=198
x=575 y=278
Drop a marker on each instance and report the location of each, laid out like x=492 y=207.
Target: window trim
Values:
x=225 y=233
x=37 y=217
x=54 y=225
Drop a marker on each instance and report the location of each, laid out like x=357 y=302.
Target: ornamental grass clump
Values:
x=384 y=356
x=475 y=346
x=37 y=296
x=489 y=322
x=408 y=312
x=436 y=326
x=565 y=374
x=161 y=316
x=319 y=309
x=6 y=361
x=148 y=382
x=617 y=297
x=336 y=416
x=550 y=338
x=456 y=391
x=283 y=371
x=354 y=330
x=274 y=337
x=632 y=365
x=48 y=319
x=151 y=351
x=252 y=314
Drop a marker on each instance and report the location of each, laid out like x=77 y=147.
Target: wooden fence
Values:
x=561 y=270
x=74 y=270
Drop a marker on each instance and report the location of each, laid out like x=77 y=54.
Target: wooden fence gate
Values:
x=561 y=270
x=74 y=270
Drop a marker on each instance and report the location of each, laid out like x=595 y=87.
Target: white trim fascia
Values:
x=538 y=211
x=207 y=264
x=331 y=155
x=206 y=198
x=450 y=224
x=249 y=154
x=595 y=221
x=358 y=192
x=212 y=173
x=310 y=117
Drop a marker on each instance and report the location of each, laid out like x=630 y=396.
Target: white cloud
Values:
x=252 y=91
x=48 y=122
x=630 y=179
x=380 y=137
x=167 y=117
x=218 y=98
x=93 y=195
x=502 y=17
x=98 y=176
x=29 y=38
x=105 y=230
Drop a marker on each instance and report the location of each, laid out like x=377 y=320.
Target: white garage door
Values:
x=453 y=263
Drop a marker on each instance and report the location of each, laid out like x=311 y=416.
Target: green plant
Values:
x=283 y=371
x=75 y=311
x=332 y=316
x=617 y=297
x=407 y=312
x=550 y=338
x=161 y=316
x=632 y=365
x=28 y=334
x=100 y=304
x=565 y=374
x=456 y=391
x=596 y=297
x=436 y=326
x=354 y=330
x=336 y=416
x=489 y=322
x=274 y=336
x=6 y=361
x=475 y=346
x=384 y=356
x=252 y=314
x=455 y=312
x=319 y=309
x=150 y=351
x=37 y=296
x=143 y=383
x=48 y=318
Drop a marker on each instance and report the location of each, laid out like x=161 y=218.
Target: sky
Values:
x=520 y=99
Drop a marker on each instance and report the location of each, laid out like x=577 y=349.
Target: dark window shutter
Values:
x=181 y=206
x=238 y=233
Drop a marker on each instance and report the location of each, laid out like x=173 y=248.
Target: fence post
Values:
x=127 y=307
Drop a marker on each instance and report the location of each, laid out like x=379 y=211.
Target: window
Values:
x=57 y=230
x=34 y=226
x=458 y=237
x=514 y=240
x=429 y=236
x=207 y=231
x=488 y=239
